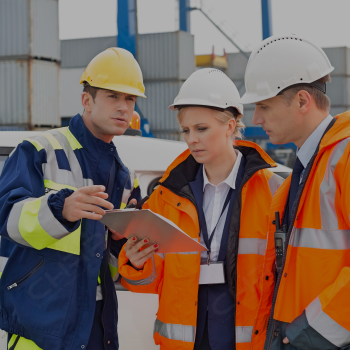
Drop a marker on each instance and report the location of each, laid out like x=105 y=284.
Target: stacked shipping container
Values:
x=29 y=64
x=166 y=60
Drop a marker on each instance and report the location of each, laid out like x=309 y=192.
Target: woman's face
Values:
x=206 y=137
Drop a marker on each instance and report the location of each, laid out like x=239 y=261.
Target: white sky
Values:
x=326 y=22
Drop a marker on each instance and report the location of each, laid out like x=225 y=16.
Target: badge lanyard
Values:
x=208 y=239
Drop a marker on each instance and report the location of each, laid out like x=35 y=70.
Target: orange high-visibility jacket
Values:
x=316 y=274
x=175 y=276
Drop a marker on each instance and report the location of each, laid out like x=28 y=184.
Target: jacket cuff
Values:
x=129 y=272
x=56 y=203
x=116 y=246
x=301 y=335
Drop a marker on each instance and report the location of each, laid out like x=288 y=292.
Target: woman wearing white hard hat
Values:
x=219 y=192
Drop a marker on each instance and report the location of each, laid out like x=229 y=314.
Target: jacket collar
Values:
x=339 y=131
x=94 y=146
x=184 y=168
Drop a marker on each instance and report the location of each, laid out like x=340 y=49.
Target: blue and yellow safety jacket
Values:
x=51 y=266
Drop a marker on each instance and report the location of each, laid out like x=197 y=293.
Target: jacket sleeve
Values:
x=150 y=278
x=26 y=217
x=328 y=315
x=132 y=191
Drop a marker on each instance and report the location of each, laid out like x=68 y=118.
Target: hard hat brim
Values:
x=119 y=88
x=201 y=103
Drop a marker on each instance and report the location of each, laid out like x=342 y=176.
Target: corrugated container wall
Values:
x=29 y=28
x=166 y=56
x=160 y=95
x=70 y=91
x=29 y=93
x=77 y=53
x=340 y=59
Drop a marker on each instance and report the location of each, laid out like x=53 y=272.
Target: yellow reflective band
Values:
x=0 y=274
x=114 y=271
x=22 y=344
x=54 y=143
x=30 y=228
x=122 y=206
x=74 y=143
x=99 y=279
x=136 y=183
x=69 y=244
x=57 y=187
x=35 y=143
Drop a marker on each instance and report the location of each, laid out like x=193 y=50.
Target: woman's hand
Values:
x=136 y=256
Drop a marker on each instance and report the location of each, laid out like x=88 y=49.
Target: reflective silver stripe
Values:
x=144 y=281
x=73 y=178
x=45 y=217
x=3 y=262
x=72 y=159
x=48 y=221
x=175 y=331
x=252 y=246
x=320 y=239
x=244 y=334
x=99 y=295
x=184 y=253
x=13 y=221
x=329 y=218
x=325 y=325
x=274 y=183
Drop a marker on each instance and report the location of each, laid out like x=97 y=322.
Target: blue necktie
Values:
x=297 y=170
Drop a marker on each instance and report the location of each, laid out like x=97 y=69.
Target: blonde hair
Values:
x=223 y=118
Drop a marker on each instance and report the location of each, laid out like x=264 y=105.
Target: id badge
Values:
x=212 y=273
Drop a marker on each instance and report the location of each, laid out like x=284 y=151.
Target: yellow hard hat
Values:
x=115 y=69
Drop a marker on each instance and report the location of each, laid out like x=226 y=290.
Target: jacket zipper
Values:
x=290 y=230
x=104 y=279
x=29 y=274
x=306 y=177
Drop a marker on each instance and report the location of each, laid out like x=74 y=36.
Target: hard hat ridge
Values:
x=208 y=87
x=115 y=69
x=280 y=62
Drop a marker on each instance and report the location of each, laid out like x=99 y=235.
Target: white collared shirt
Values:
x=213 y=201
x=307 y=150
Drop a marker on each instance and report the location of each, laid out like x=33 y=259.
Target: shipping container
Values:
x=160 y=95
x=340 y=60
x=166 y=56
x=77 y=53
x=70 y=91
x=236 y=65
x=29 y=28
x=29 y=93
x=338 y=91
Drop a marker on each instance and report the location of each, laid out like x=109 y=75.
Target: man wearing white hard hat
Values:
x=306 y=278
x=219 y=192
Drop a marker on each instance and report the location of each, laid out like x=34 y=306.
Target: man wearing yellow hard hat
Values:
x=60 y=262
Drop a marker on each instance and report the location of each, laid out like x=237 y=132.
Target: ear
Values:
x=231 y=127
x=304 y=101
x=86 y=101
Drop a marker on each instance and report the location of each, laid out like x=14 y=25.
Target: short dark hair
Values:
x=91 y=91
x=322 y=100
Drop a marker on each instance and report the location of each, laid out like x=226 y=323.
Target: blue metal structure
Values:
x=127 y=25
x=184 y=15
x=266 y=18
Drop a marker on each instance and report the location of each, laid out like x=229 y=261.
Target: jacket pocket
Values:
x=25 y=277
x=39 y=299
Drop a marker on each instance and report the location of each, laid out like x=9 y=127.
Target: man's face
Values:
x=111 y=112
x=281 y=122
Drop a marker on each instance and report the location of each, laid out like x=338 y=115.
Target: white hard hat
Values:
x=208 y=87
x=282 y=61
